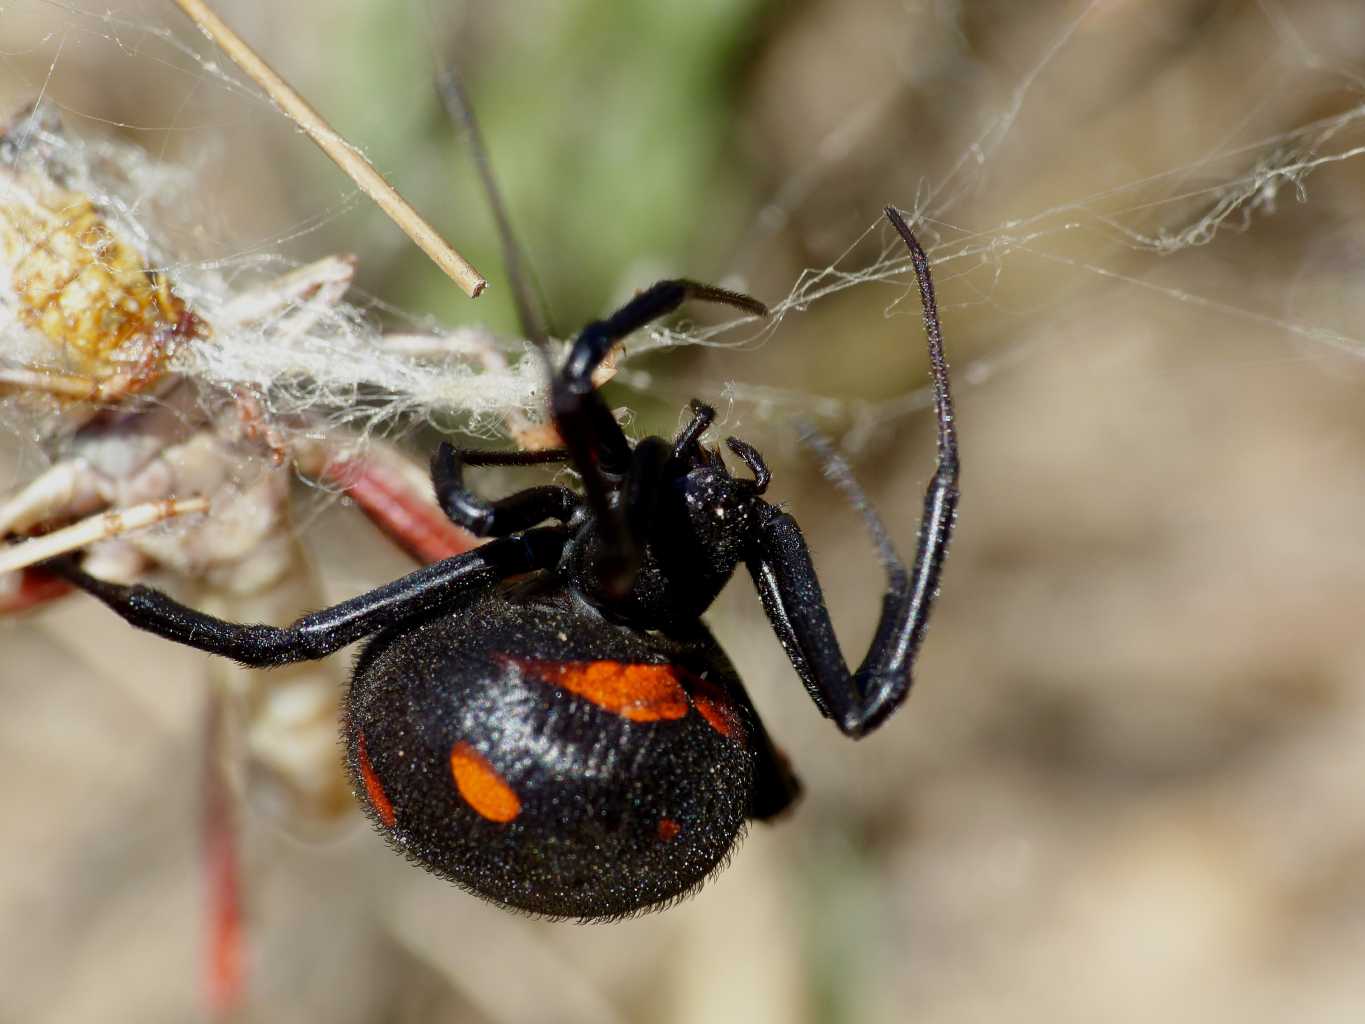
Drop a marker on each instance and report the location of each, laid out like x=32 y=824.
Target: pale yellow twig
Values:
x=97 y=527
x=345 y=155
x=67 y=385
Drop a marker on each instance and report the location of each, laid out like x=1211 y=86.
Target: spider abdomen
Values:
x=548 y=760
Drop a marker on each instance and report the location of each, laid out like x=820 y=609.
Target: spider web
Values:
x=1014 y=229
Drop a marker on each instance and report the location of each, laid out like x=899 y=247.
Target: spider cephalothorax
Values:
x=693 y=522
x=545 y=720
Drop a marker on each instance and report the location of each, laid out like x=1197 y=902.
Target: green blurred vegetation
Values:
x=608 y=124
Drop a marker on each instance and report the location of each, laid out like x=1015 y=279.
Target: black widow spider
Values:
x=545 y=720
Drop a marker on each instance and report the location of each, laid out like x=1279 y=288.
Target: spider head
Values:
x=695 y=519
x=713 y=512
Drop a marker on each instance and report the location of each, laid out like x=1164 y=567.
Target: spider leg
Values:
x=531 y=309
x=441 y=587
x=776 y=786
x=640 y=490
x=508 y=515
x=496 y=457
x=702 y=418
x=786 y=582
x=784 y=576
x=790 y=590
x=748 y=455
x=599 y=448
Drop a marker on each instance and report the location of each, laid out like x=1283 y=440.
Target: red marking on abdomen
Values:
x=668 y=829
x=481 y=786
x=640 y=693
x=373 y=789
x=714 y=705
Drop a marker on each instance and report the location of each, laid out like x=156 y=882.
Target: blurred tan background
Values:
x=1130 y=783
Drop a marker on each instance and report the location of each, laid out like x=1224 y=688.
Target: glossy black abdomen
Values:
x=549 y=760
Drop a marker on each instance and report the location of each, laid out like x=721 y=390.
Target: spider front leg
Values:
x=786 y=582
x=599 y=448
x=782 y=571
x=444 y=586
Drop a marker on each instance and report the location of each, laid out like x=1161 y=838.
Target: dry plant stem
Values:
x=361 y=171
x=65 y=385
x=95 y=528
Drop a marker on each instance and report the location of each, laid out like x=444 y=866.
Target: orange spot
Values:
x=482 y=787
x=668 y=829
x=373 y=790
x=641 y=693
x=714 y=706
